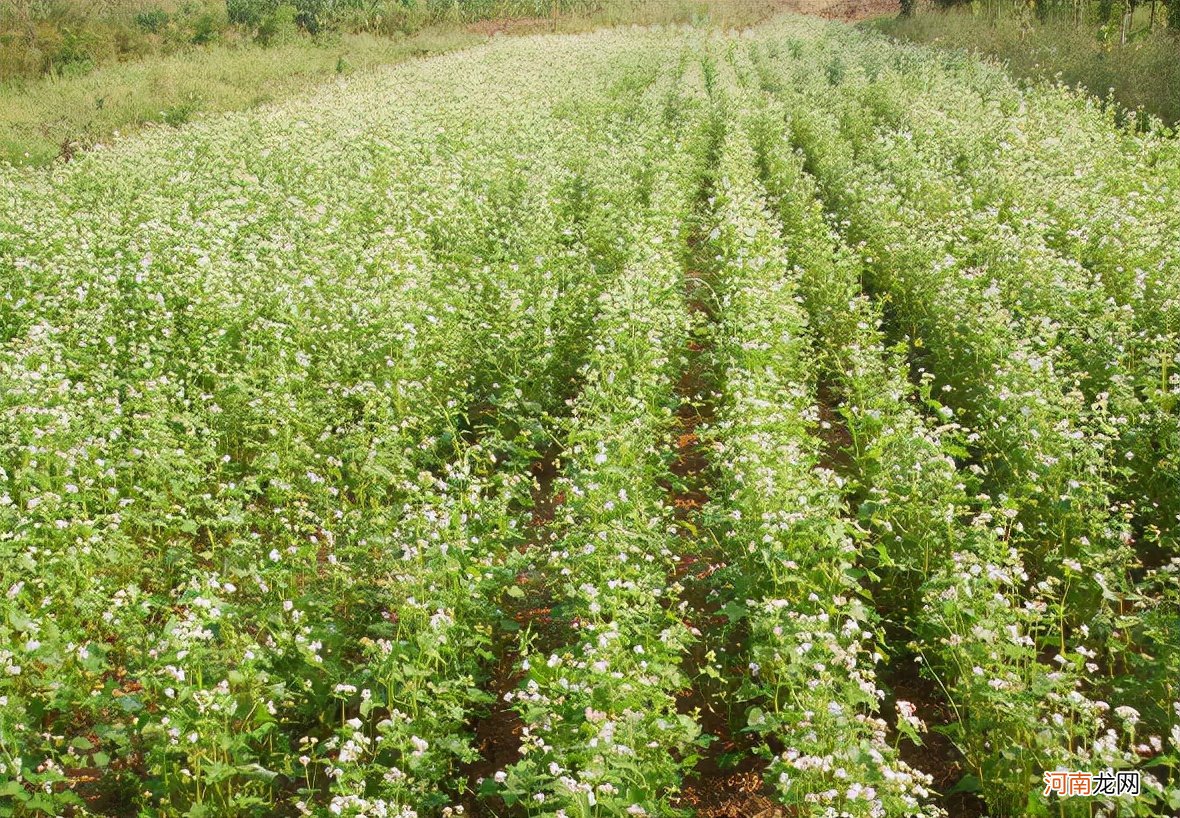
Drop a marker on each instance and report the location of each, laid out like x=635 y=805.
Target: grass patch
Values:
x=55 y=116
x=1142 y=75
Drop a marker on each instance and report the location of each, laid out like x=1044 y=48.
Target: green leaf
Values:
x=257 y=772
x=756 y=718
x=968 y=783
x=734 y=611
x=731 y=759
x=130 y=703
x=19 y=621
x=1174 y=798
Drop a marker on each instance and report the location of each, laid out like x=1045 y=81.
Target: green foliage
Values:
x=279 y=26
x=152 y=19
x=311 y=15
x=249 y=13
x=73 y=37
x=38 y=117
x=180 y=113
x=1173 y=14
x=206 y=29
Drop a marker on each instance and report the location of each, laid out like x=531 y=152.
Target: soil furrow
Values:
x=497 y=734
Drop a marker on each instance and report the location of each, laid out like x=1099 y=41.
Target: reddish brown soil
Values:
x=545 y=499
x=833 y=432
x=511 y=25
x=732 y=795
x=497 y=734
x=848 y=11
x=713 y=789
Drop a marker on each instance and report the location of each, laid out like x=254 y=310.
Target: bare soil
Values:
x=849 y=11
x=511 y=25
x=498 y=732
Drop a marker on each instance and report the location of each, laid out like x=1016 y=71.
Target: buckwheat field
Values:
x=648 y=422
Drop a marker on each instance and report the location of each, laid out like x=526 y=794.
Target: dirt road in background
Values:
x=847 y=10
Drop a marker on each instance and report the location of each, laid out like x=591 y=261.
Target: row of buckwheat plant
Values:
x=1103 y=197
x=1040 y=442
x=601 y=733
x=811 y=685
x=239 y=495
x=985 y=648
x=1118 y=339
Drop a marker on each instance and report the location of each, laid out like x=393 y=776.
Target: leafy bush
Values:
x=18 y=59
x=279 y=26
x=74 y=49
x=249 y=13
x=310 y=15
x=69 y=36
x=206 y=29
x=180 y=113
x=152 y=20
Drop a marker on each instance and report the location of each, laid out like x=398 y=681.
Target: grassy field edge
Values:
x=42 y=120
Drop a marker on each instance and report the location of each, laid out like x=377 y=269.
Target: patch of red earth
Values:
x=497 y=733
x=727 y=781
x=848 y=11
x=497 y=738
x=511 y=25
x=714 y=788
x=737 y=795
x=833 y=431
x=545 y=471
